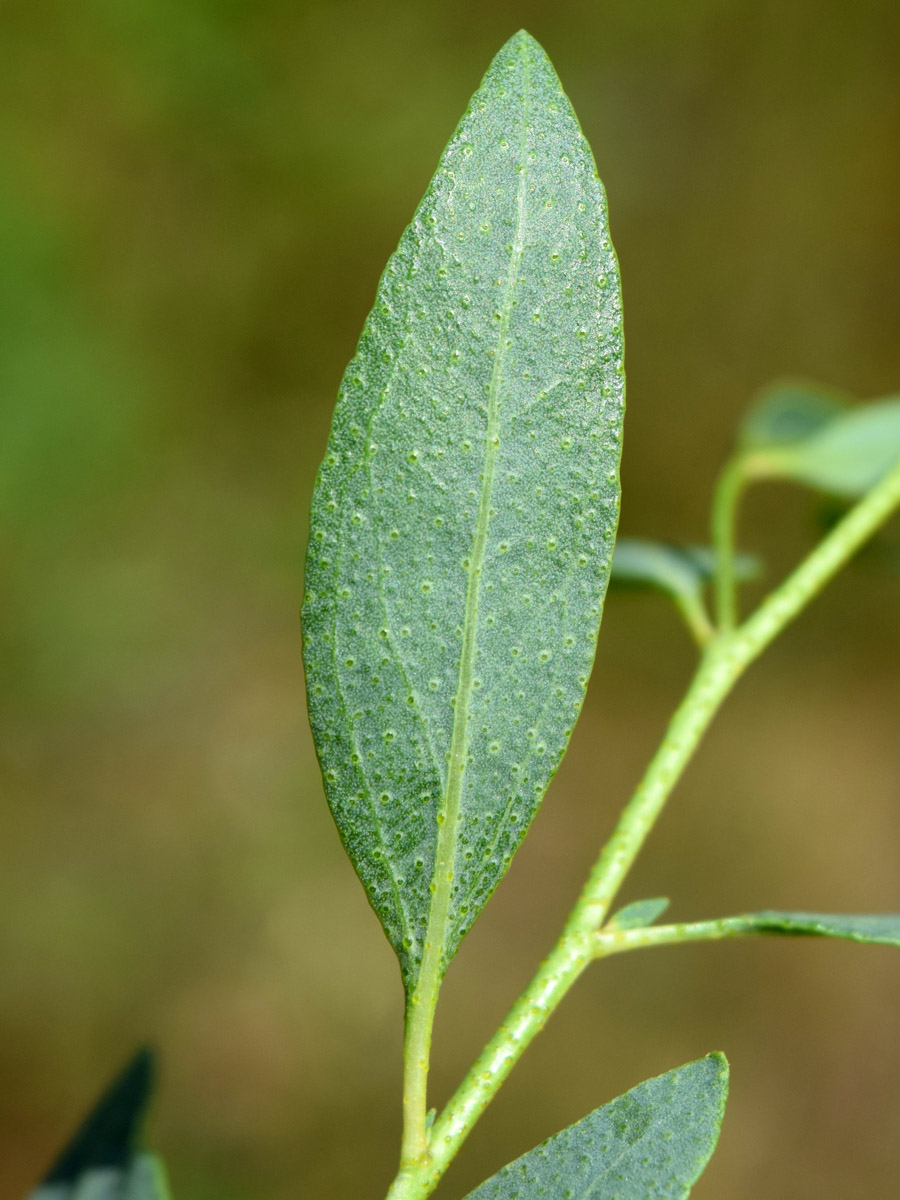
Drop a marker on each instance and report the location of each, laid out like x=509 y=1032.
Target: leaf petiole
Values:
x=724 y=519
x=695 y=616
x=880 y=930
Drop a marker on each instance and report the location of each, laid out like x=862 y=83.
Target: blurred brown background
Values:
x=196 y=199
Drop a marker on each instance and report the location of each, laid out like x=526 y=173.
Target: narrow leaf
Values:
x=637 y=915
x=788 y=411
x=653 y=564
x=679 y=570
x=650 y=1144
x=881 y=929
x=463 y=519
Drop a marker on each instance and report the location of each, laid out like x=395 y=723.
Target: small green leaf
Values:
x=650 y=1144
x=677 y=570
x=805 y=433
x=850 y=454
x=682 y=572
x=463 y=519
x=789 y=411
x=643 y=563
x=879 y=929
x=637 y=915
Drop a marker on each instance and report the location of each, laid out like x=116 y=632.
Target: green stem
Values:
x=420 y=1008
x=752 y=925
x=716 y=675
x=725 y=660
x=695 y=616
x=724 y=519
x=526 y=1018
x=422 y=1001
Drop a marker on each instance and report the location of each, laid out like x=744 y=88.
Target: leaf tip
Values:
x=722 y=1073
x=108 y=1136
x=522 y=42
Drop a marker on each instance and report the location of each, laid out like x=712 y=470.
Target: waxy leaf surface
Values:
x=650 y=1144
x=464 y=516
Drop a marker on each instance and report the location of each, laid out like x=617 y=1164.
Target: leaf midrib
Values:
x=448 y=816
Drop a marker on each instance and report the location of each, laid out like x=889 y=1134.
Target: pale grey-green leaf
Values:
x=650 y=1144
x=637 y=915
x=880 y=929
x=463 y=519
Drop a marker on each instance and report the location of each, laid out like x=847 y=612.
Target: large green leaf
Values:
x=650 y=1144
x=464 y=516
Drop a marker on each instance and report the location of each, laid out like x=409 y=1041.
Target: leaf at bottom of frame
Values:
x=653 y=1143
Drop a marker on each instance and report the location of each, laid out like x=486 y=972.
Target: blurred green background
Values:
x=196 y=199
